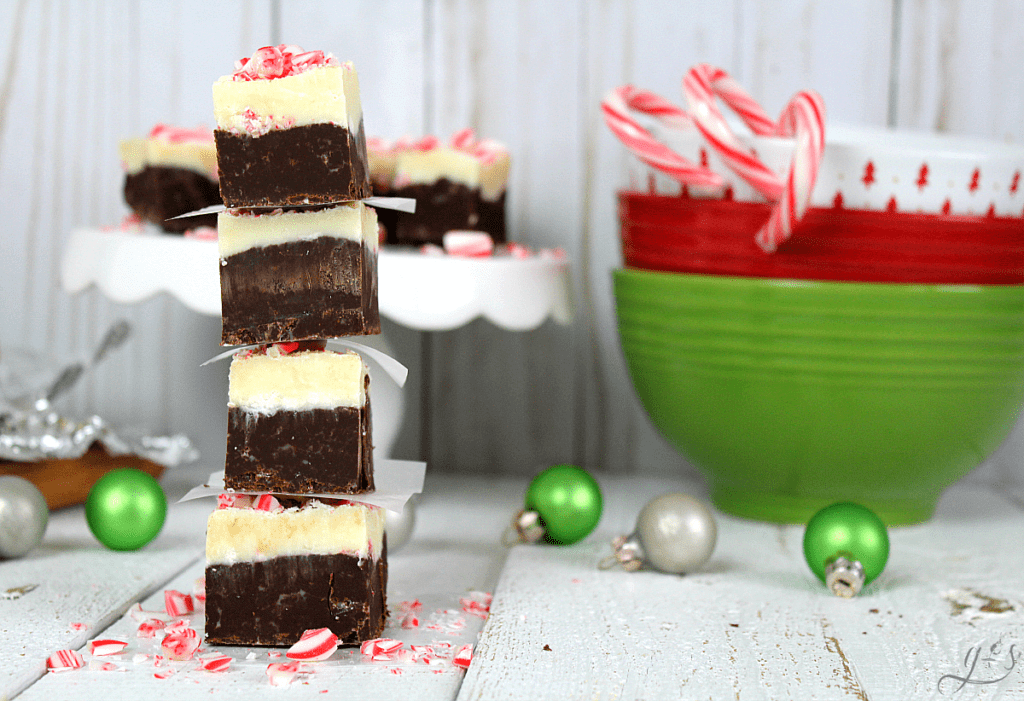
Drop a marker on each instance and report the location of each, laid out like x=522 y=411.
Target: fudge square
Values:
x=299 y=421
x=457 y=187
x=276 y=567
x=172 y=171
x=292 y=275
x=290 y=130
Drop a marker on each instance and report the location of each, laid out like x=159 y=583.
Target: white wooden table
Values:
x=945 y=620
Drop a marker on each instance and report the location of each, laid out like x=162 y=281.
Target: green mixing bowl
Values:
x=780 y=435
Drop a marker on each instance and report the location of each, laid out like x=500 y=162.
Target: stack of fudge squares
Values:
x=289 y=549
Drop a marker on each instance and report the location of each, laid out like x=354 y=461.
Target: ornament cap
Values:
x=528 y=527
x=628 y=552
x=844 y=577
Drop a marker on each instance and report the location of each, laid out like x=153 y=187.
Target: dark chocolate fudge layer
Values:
x=157 y=193
x=317 y=451
x=445 y=206
x=274 y=601
x=302 y=290
x=310 y=164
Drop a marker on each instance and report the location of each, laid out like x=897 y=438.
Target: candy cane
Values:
x=314 y=645
x=699 y=88
x=616 y=106
x=803 y=118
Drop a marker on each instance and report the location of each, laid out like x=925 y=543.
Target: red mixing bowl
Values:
x=690 y=235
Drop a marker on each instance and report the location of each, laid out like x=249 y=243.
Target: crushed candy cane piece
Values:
x=413 y=605
x=516 y=250
x=431 y=249
x=250 y=656
x=395 y=670
x=202 y=233
x=164 y=673
x=97 y=666
x=273 y=654
x=282 y=673
x=199 y=591
x=378 y=646
x=314 y=645
x=463 y=657
x=138 y=614
x=180 y=645
x=470 y=244
x=63 y=660
x=102 y=648
x=77 y=626
x=556 y=254
x=177 y=626
x=410 y=620
x=477 y=604
x=139 y=658
x=268 y=502
x=178 y=603
x=148 y=629
x=158 y=660
x=216 y=663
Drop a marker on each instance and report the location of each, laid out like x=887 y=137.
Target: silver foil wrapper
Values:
x=30 y=435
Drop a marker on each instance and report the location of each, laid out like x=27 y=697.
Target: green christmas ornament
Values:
x=563 y=505
x=126 y=509
x=846 y=546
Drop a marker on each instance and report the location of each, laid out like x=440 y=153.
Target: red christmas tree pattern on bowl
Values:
x=874 y=169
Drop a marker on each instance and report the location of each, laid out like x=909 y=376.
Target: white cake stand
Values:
x=422 y=292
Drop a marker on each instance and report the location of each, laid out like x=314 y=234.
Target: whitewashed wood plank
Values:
x=455 y=551
x=755 y=624
x=842 y=51
x=498 y=401
x=385 y=42
x=651 y=46
x=80 y=589
x=958 y=68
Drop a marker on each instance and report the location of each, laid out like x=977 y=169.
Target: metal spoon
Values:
x=115 y=337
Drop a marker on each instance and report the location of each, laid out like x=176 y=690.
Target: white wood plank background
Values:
x=81 y=588
x=79 y=75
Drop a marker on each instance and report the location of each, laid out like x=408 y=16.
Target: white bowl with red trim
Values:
x=873 y=169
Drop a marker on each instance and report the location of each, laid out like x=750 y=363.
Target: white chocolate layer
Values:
x=416 y=167
x=239 y=231
x=318 y=95
x=382 y=163
x=196 y=156
x=247 y=535
x=265 y=383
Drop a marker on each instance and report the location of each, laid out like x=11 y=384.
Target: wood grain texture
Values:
x=755 y=623
x=500 y=401
x=81 y=588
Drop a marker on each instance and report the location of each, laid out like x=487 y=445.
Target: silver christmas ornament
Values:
x=23 y=516
x=675 y=533
x=399 y=526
